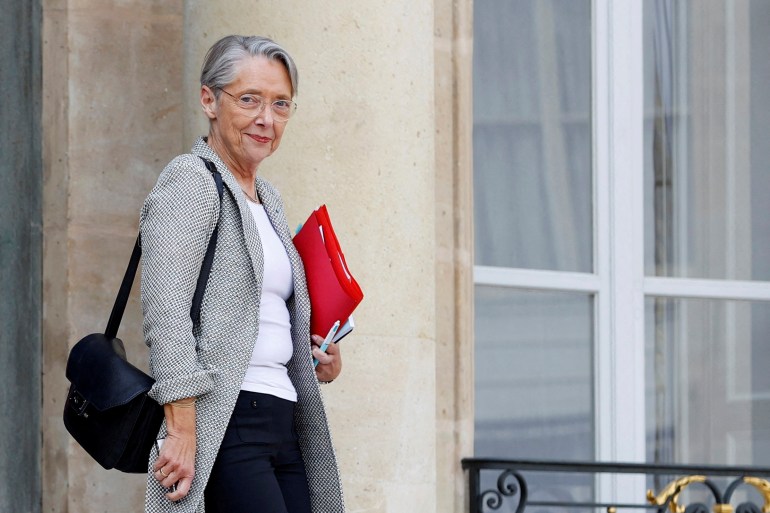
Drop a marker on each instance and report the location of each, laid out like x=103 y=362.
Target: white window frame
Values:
x=617 y=213
x=619 y=285
x=618 y=103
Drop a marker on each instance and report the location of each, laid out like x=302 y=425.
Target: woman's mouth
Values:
x=259 y=138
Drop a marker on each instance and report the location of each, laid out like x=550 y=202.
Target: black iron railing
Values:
x=539 y=486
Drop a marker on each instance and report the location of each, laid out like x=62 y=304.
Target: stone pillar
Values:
x=454 y=241
x=362 y=142
x=20 y=256
x=112 y=119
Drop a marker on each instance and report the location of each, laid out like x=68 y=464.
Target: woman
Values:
x=245 y=428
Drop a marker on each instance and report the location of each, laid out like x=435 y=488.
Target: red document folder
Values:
x=334 y=293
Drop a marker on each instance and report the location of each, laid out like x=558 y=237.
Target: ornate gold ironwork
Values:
x=723 y=508
x=763 y=486
x=671 y=492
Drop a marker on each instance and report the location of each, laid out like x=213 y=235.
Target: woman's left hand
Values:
x=329 y=363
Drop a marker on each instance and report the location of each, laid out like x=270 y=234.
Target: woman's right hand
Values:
x=176 y=462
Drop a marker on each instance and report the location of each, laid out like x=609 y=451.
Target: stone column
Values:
x=454 y=241
x=362 y=142
x=20 y=256
x=111 y=120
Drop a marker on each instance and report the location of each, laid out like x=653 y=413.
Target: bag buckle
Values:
x=78 y=403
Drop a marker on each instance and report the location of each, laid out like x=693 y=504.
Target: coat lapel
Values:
x=250 y=232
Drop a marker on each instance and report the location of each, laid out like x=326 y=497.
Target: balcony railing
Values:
x=507 y=486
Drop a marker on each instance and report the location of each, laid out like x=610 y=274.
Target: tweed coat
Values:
x=209 y=360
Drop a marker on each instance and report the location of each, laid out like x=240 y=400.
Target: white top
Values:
x=267 y=372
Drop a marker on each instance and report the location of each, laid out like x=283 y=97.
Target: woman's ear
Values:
x=209 y=102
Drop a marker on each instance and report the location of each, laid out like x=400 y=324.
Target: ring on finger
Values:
x=162 y=473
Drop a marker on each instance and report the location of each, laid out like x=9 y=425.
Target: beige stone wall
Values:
x=381 y=136
x=111 y=119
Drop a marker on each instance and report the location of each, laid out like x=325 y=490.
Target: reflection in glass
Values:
x=534 y=381
x=534 y=374
x=532 y=134
x=707 y=157
x=708 y=388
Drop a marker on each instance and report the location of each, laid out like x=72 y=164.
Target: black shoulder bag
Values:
x=108 y=411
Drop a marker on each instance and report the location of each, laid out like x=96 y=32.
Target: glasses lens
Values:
x=251 y=102
x=283 y=109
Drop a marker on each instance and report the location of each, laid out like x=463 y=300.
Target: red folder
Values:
x=334 y=293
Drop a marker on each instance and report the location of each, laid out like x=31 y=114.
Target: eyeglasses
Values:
x=282 y=109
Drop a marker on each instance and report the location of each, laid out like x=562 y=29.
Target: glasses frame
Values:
x=278 y=117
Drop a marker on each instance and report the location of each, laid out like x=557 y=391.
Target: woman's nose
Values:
x=265 y=118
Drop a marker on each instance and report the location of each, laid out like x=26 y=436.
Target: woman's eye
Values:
x=281 y=104
x=250 y=101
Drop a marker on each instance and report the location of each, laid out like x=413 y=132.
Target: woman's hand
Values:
x=176 y=463
x=329 y=363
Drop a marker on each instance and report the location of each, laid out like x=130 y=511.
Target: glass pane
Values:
x=707 y=119
x=534 y=374
x=708 y=389
x=532 y=134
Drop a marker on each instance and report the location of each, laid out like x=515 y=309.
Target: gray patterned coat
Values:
x=210 y=360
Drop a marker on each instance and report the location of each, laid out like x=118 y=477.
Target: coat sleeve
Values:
x=176 y=222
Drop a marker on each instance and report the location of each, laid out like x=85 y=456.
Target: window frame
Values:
x=619 y=284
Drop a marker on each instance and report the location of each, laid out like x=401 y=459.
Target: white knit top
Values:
x=267 y=370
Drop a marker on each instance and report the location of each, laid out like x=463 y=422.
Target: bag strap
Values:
x=128 y=279
x=203 y=277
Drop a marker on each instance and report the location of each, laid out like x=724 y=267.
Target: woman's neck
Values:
x=245 y=177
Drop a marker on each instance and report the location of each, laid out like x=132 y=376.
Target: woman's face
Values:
x=241 y=139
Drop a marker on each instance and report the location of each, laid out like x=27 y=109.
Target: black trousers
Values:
x=259 y=467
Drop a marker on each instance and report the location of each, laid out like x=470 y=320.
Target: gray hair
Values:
x=219 y=65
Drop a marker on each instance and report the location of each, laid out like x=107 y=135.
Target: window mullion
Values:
x=707 y=289
x=535 y=279
x=618 y=110
x=626 y=211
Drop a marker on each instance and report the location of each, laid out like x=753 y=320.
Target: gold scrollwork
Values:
x=671 y=492
x=763 y=486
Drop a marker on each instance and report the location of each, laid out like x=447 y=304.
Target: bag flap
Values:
x=98 y=369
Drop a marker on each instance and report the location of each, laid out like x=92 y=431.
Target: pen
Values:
x=328 y=340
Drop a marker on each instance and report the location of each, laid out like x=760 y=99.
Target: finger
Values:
x=333 y=349
x=323 y=358
x=161 y=462
x=158 y=475
x=165 y=477
x=182 y=489
x=317 y=340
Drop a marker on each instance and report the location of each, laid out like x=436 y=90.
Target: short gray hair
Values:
x=219 y=65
